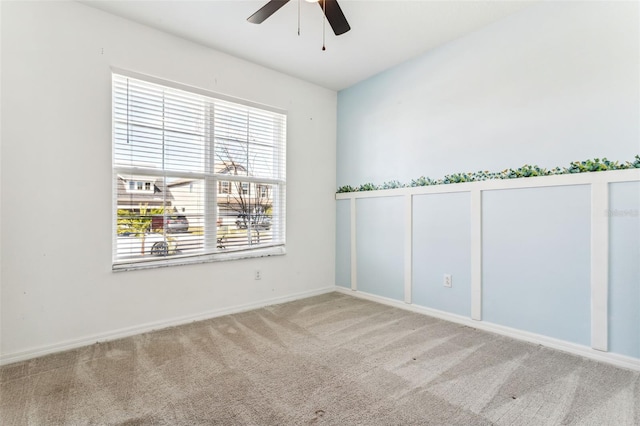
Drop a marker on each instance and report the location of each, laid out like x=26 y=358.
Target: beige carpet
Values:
x=331 y=359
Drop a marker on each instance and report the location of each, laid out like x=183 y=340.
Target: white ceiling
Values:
x=383 y=33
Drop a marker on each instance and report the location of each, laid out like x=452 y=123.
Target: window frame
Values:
x=212 y=180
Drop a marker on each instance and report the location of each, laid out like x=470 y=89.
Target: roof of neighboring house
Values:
x=180 y=182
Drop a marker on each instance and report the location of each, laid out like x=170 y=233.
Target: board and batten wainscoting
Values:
x=553 y=260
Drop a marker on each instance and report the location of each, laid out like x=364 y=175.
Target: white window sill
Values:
x=204 y=258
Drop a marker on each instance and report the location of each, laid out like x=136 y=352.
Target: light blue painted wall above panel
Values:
x=554 y=83
x=624 y=268
x=343 y=243
x=380 y=246
x=442 y=245
x=536 y=260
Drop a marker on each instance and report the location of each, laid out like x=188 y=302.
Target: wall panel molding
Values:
x=408 y=248
x=599 y=248
x=599 y=265
x=476 y=255
x=354 y=250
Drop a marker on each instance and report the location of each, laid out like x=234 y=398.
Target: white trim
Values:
x=599 y=265
x=561 y=345
x=609 y=176
x=155 y=325
x=250 y=253
x=476 y=255
x=354 y=252
x=408 y=248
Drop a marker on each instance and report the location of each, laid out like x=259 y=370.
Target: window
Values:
x=262 y=191
x=225 y=187
x=188 y=173
x=139 y=186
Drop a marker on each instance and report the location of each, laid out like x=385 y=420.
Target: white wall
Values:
x=57 y=285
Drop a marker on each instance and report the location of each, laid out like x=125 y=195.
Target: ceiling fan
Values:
x=331 y=10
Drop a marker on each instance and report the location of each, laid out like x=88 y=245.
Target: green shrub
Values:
x=367 y=187
x=346 y=188
x=422 y=181
x=392 y=185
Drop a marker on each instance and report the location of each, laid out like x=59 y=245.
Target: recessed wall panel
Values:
x=624 y=268
x=343 y=243
x=536 y=260
x=380 y=246
x=441 y=245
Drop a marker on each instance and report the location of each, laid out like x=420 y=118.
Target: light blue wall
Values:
x=624 y=268
x=343 y=243
x=551 y=84
x=536 y=260
x=380 y=246
x=441 y=245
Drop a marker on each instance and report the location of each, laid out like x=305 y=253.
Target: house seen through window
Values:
x=134 y=185
x=195 y=177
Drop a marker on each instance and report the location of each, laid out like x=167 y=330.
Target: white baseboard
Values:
x=572 y=348
x=609 y=357
x=151 y=326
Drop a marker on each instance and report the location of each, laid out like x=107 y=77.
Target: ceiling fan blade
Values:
x=267 y=10
x=335 y=16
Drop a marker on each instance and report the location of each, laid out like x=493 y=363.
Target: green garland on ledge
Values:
x=594 y=165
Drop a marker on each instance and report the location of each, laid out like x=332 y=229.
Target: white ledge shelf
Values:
x=586 y=178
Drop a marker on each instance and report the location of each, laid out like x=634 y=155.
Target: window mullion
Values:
x=164 y=168
x=210 y=183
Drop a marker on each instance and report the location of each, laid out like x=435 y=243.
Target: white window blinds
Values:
x=195 y=178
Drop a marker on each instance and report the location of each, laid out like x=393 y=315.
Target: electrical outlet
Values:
x=258 y=275
x=447 y=280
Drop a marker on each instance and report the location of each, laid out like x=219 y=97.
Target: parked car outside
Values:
x=177 y=224
x=171 y=223
x=260 y=222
